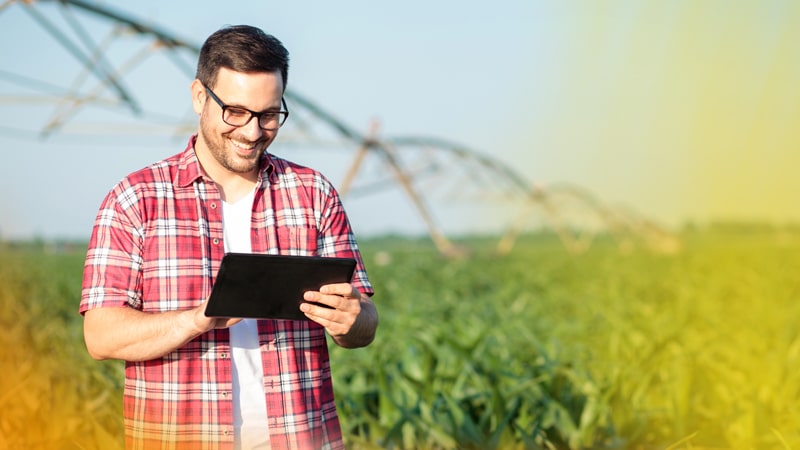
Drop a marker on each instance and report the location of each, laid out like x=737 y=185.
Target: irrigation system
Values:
x=110 y=49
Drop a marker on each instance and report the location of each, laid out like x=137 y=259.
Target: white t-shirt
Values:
x=249 y=404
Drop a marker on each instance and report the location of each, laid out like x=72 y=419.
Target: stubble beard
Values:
x=218 y=145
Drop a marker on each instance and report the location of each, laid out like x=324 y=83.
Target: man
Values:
x=193 y=381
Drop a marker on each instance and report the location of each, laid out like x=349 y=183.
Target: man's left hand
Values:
x=347 y=315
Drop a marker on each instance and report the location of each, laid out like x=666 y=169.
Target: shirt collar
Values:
x=189 y=169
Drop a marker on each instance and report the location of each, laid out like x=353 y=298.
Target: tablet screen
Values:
x=271 y=286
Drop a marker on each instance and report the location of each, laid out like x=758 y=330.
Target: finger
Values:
x=318 y=313
x=332 y=327
x=342 y=289
x=330 y=301
x=325 y=317
x=231 y=322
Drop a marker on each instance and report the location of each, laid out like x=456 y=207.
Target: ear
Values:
x=198 y=96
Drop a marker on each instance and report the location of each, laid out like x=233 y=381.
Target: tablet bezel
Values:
x=258 y=286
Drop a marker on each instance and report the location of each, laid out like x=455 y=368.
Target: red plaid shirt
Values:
x=157 y=245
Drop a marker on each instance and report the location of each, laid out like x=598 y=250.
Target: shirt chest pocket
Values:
x=297 y=240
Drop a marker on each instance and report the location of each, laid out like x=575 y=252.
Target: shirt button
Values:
x=223 y=355
x=215 y=241
x=225 y=395
x=213 y=206
x=226 y=432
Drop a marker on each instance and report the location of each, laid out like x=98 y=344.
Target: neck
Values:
x=233 y=189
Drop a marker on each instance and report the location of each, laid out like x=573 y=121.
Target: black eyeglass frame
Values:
x=284 y=114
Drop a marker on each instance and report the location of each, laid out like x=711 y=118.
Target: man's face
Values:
x=224 y=149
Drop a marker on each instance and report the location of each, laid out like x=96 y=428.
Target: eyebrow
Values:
x=268 y=110
x=271 y=109
x=237 y=106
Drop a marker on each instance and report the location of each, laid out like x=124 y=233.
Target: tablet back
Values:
x=271 y=286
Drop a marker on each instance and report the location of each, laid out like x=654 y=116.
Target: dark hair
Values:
x=241 y=48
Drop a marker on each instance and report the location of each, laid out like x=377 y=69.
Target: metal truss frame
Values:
x=422 y=167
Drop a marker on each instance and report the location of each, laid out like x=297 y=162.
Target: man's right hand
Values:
x=205 y=323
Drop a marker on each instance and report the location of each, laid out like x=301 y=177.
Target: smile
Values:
x=242 y=145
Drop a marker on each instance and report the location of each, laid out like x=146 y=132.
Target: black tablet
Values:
x=271 y=286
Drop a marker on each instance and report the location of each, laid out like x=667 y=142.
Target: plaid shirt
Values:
x=157 y=245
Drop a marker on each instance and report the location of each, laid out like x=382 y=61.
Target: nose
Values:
x=251 y=130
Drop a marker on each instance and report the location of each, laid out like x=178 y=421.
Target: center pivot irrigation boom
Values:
x=109 y=51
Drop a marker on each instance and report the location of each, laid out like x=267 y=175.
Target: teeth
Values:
x=243 y=146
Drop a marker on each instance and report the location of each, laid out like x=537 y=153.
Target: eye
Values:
x=237 y=113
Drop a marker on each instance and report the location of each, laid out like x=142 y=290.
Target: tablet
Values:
x=271 y=286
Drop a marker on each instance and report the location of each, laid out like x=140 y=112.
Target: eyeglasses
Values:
x=238 y=117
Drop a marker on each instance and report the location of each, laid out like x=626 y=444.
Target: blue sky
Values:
x=605 y=95
x=419 y=67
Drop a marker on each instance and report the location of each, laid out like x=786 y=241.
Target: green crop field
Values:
x=535 y=349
